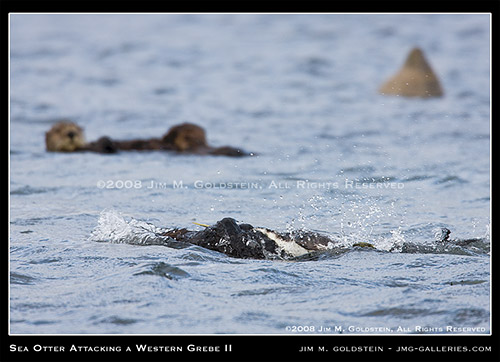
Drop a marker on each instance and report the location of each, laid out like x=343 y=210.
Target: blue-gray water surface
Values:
x=332 y=156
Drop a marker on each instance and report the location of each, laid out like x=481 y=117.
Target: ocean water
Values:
x=331 y=156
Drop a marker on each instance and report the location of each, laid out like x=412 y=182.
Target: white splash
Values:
x=393 y=243
x=113 y=228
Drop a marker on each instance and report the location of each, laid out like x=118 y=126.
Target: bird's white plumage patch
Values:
x=289 y=247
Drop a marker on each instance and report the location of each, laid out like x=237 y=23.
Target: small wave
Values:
x=29 y=190
x=117 y=320
x=417 y=178
x=403 y=312
x=471 y=316
x=45 y=260
x=163 y=270
x=264 y=291
x=450 y=181
x=197 y=255
x=17 y=278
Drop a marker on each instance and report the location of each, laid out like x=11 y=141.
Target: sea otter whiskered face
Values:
x=64 y=136
x=186 y=137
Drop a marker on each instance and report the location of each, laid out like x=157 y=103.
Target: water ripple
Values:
x=22 y=279
x=163 y=270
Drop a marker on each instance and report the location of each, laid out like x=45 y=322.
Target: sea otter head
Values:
x=185 y=137
x=225 y=230
x=64 y=136
x=237 y=240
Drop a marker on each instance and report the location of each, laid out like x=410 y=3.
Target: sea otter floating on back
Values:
x=187 y=138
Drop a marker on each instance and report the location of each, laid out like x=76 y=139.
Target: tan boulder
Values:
x=415 y=79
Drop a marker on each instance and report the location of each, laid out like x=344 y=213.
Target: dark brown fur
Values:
x=185 y=138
